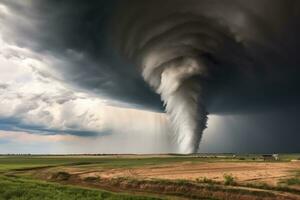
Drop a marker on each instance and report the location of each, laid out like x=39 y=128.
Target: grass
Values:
x=22 y=162
x=259 y=185
x=293 y=181
x=229 y=179
x=23 y=189
x=280 y=187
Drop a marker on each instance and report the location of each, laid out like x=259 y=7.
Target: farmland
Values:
x=201 y=176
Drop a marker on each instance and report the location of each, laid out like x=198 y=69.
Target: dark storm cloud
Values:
x=263 y=76
x=75 y=34
x=255 y=68
x=265 y=132
x=233 y=56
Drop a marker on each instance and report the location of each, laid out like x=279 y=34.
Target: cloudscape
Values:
x=149 y=76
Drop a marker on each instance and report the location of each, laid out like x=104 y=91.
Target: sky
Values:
x=112 y=77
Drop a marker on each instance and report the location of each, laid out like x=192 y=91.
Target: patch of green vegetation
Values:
x=290 y=181
x=293 y=181
x=280 y=187
x=21 y=189
x=259 y=185
x=29 y=162
x=229 y=179
x=182 y=182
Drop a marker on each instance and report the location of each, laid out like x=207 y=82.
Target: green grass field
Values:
x=23 y=162
x=12 y=188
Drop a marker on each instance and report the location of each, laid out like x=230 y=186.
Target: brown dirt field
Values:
x=243 y=172
x=269 y=173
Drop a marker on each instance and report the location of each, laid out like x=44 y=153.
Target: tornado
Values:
x=177 y=54
x=194 y=53
x=171 y=74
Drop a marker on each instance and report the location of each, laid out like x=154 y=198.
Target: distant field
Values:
x=22 y=162
x=203 y=176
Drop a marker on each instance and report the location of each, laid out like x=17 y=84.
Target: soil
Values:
x=270 y=173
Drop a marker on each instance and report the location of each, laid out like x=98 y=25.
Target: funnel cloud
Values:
x=187 y=50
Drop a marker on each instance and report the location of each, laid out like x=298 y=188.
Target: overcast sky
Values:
x=64 y=88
